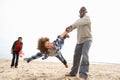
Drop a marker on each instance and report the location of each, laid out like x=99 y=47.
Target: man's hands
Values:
x=68 y=29
x=65 y=33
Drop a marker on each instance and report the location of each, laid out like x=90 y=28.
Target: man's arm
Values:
x=13 y=47
x=83 y=22
x=69 y=29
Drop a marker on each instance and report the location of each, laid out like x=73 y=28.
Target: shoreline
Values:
x=69 y=61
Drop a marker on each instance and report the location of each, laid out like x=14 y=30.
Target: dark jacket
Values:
x=14 y=46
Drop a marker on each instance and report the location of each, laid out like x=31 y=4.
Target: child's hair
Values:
x=41 y=44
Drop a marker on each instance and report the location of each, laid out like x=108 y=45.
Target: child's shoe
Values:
x=27 y=59
x=66 y=66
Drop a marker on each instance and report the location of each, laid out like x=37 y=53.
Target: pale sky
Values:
x=33 y=19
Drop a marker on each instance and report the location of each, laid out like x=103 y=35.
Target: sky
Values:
x=33 y=19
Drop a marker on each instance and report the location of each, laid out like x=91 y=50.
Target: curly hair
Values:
x=41 y=44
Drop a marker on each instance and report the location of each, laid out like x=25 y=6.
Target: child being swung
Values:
x=48 y=48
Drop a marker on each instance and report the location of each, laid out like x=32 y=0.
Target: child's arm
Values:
x=60 y=40
x=63 y=34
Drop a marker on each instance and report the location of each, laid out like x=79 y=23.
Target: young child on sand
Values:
x=50 y=48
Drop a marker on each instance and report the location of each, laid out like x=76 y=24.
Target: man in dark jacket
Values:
x=16 y=48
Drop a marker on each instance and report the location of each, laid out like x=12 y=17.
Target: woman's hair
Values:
x=41 y=44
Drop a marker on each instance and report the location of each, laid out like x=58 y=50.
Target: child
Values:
x=50 y=49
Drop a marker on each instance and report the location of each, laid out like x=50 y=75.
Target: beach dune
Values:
x=39 y=70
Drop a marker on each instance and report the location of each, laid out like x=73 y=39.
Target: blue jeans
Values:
x=15 y=59
x=59 y=56
x=81 y=59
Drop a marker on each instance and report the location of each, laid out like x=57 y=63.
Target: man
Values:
x=16 y=48
x=84 y=39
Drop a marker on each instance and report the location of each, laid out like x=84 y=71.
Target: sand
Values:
x=41 y=70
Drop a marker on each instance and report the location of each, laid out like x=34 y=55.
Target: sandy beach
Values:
x=39 y=70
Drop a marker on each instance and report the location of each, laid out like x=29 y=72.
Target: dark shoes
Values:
x=13 y=67
x=16 y=67
x=70 y=75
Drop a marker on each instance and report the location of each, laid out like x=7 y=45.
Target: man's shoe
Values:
x=16 y=67
x=69 y=75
